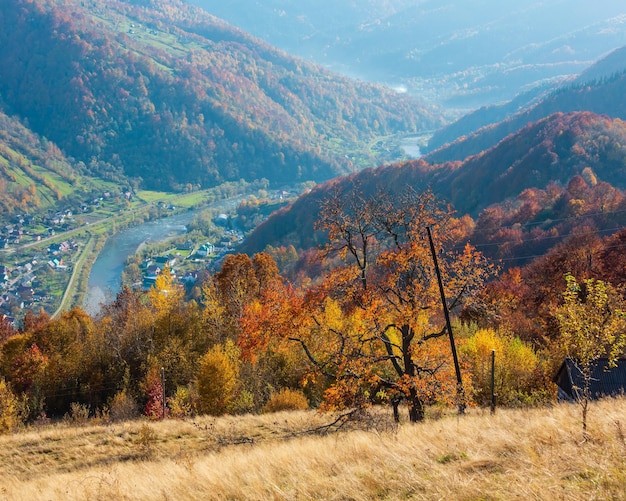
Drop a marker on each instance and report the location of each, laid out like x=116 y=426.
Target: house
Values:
x=605 y=381
x=153 y=271
x=190 y=277
x=168 y=260
x=185 y=246
x=221 y=220
x=206 y=249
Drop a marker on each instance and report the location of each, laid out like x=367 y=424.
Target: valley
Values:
x=217 y=252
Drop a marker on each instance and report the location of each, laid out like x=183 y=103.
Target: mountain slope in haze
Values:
x=604 y=96
x=456 y=53
x=553 y=150
x=599 y=75
x=170 y=96
x=485 y=116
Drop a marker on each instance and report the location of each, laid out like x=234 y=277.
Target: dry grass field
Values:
x=516 y=454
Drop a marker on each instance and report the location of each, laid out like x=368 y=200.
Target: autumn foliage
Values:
x=366 y=328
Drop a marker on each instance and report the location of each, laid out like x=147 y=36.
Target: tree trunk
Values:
x=416 y=407
x=396 y=413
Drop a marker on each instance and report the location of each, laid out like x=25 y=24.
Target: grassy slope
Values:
x=516 y=454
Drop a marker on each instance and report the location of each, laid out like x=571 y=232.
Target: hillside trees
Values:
x=226 y=297
x=372 y=326
x=132 y=101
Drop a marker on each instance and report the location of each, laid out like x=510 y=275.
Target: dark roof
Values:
x=605 y=381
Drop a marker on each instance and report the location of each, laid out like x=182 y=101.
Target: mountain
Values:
x=165 y=94
x=603 y=96
x=585 y=92
x=553 y=149
x=485 y=116
x=458 y=54
x=549 y=152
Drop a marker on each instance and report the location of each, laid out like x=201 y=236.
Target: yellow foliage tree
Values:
x=592 y=321
x=11 y=411
x=218 y=379
x=516 y=366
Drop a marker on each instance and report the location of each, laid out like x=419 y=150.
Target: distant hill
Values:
x=458 y=54
x=553 y=150
x=611 y=64
x=165 y=94
x=485 y=116
x=602 y=96
x=563 y=96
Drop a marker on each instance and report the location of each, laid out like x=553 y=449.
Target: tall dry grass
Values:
x=516 y=454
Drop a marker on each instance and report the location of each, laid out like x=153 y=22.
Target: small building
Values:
x=185 y=246
x=190 y=277
x=221 y=220
x=605 y=381
x=163 y=261
x=206 y=249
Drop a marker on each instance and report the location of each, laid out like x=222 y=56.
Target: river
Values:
x=410 y=145
x=106 y=274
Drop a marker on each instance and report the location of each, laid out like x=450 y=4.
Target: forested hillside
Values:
x=34 y=173
x=541 y=156
x=170 y=96
x=453 y=53
x=601 y=96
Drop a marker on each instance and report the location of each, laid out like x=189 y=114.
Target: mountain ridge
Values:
x=552 y=150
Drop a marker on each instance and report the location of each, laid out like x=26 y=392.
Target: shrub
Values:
x=123 y=407
x=181 y=404
x=78 y=415
x=154 y=391
x=286 y=400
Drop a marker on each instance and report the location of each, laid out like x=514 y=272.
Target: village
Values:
x=184 y=261
x=39 y=254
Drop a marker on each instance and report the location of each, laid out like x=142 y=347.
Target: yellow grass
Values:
x=516 y=454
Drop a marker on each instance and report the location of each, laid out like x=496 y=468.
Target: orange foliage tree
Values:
x=372 y=326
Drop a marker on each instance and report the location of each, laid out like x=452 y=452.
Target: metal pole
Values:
x=459 y=381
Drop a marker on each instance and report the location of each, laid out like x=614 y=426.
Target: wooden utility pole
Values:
x=460 y=393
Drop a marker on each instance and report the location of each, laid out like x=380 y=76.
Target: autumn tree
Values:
x=592 y=322
x=178 y=338
x=218 y=379
x=372 y=326
x=240 y=280
x=517 y=375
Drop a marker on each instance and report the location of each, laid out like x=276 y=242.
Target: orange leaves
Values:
x=275 y=315
x=376 y=314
